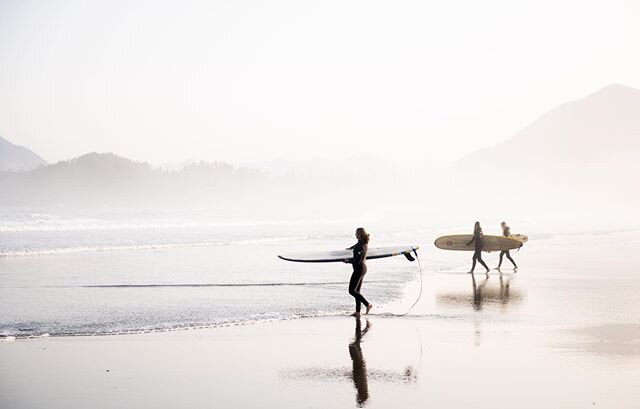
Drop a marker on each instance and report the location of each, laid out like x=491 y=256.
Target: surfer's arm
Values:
x=472 y=240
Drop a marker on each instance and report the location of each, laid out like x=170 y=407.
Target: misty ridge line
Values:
x=616 y=96
x=119 y=164
x=578 y=155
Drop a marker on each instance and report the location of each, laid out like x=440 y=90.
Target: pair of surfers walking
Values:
x=360 y=266
x=478 y=241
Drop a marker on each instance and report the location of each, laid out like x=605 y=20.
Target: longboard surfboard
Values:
x=460 y=242
x=520 y=237
x=341 y=255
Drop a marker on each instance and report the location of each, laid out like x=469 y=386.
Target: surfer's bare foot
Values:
x=470 y=272
x=355 y=314
x=487 y=272
x=369 y=307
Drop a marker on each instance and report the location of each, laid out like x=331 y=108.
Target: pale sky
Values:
x=246 y=81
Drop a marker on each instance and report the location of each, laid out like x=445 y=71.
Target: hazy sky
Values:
x=253 y=80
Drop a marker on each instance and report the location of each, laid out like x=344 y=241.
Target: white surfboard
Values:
x=341 y=255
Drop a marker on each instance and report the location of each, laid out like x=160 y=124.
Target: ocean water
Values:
x=64 y=275
x=115 y=274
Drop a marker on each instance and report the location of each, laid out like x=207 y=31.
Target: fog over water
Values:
x=157 y=236
x=575 y=164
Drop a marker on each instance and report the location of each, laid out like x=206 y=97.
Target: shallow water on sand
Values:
x=88 y=276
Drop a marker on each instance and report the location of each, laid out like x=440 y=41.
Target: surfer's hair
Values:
x=362 y=234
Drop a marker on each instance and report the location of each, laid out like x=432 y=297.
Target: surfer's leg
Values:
x=482 y=262
x=354 y=289
x=358 y=295
x=363 y=300
x=511 y=260
x=473 y=262
x=360 y=285
x=502 y=253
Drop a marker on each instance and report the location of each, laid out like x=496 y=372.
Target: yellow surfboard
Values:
x=520 y=237
x=460 y=242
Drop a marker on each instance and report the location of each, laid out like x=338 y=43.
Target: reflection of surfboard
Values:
x=491 y=243
x=341 y=255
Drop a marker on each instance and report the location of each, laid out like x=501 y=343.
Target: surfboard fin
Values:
x=409 y=257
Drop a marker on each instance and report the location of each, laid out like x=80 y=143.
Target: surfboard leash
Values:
x=419 y=293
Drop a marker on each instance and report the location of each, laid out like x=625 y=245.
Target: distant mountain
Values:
x=581 y=157
x=17 y=158
x=102 y=181
x=601 y=128
x=106 y=179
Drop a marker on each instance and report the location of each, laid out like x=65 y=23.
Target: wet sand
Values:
x=563 y=332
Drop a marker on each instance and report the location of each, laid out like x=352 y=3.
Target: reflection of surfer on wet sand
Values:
x=477 y=292
x=359 y=373
x=505 y=286
x=484 y=293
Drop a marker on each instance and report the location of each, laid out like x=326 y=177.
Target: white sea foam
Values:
x=132 y=247
x=249 y=320
x=36 y=222
x=7 y=338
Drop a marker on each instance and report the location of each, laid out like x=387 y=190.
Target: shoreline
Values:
x=318 y=362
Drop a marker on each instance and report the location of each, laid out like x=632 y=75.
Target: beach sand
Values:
x=563 y=332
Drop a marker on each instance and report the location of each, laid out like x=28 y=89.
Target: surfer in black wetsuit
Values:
x=477 y=254
x=506 y=232
x=359 y=270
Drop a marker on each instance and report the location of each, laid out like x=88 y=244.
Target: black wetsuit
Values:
x=359 y=270
x=478 y=241
x=506 y=232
